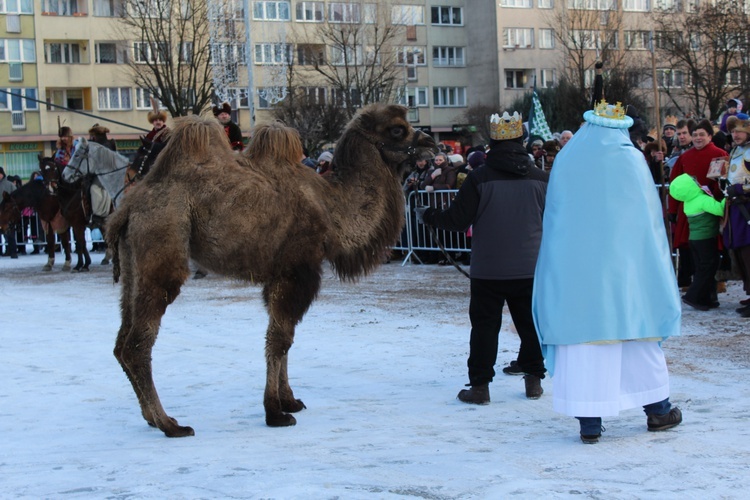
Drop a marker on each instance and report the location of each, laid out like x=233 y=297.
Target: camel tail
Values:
x=195 y=138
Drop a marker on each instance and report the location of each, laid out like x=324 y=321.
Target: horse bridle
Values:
x=85 y=156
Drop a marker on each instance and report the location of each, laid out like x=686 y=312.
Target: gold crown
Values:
x=615 y=112
x=506 y=127
x=670 y=120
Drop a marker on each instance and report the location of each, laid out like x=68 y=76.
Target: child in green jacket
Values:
x=703 y=213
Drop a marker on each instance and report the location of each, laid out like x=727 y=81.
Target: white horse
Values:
x=91 y=158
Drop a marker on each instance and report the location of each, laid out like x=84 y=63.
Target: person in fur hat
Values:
x=734 y=106
x=64 y=146
x=223 y=113
x=158 y=119
x=98 y=134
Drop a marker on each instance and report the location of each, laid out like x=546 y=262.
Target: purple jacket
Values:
x=737 y=230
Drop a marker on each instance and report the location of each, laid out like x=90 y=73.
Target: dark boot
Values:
x=533 y=386
x=477 y=395
x=666 y=421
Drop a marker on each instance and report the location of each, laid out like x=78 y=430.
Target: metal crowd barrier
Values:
x=30 y=231
x=417 y=237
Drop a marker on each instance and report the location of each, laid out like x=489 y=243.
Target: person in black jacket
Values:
x=223 y=113
x=504 y=202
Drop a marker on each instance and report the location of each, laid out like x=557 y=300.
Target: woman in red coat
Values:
x=695 y=162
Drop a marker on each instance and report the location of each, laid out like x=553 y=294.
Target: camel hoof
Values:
x=293 y=407
x=105 y=261
x=281 y=420
x=47 y=267
x=179 y=431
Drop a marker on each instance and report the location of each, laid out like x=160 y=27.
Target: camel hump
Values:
x=275 y=141
x=196 y=137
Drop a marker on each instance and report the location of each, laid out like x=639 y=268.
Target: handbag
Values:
x=717 y=169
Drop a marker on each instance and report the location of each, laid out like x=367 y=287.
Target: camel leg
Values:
x=157 y=286
x=287 y=299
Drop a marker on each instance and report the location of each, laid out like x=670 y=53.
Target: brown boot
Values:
x=477 y=395
x=533 y=386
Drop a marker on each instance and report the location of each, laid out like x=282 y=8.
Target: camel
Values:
x=259 y=216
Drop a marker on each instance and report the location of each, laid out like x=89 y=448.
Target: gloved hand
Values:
x=419 y=211
x=672 y=218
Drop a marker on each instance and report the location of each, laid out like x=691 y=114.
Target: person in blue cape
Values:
x=605 y=293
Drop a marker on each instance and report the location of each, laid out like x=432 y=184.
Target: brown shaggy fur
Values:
x=263 y=217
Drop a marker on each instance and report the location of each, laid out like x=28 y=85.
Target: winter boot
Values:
x=513 y=369
x=666 y=421
x=591 y=429
x=476 y=395
x=533 y=386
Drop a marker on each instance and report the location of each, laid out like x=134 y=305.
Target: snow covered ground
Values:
x=378 y=365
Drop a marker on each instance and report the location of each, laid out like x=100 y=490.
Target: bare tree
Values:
x=317 y=121
x=479 y=116
x=587 y=35
x=357 y=57
x=172 y=51
x=706 y=46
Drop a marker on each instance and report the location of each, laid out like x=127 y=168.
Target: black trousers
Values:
x=685 y=266
x=10 y=242
x=486 y=314
x=706 y=259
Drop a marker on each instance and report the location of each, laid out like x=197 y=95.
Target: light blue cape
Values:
x=604 y=270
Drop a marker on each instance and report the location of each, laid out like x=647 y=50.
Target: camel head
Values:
x=386 y=127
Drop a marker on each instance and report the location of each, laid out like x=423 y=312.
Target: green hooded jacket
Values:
x=701 y=209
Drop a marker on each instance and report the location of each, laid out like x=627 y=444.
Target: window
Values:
x=407 y=14
x=63 y=7
x=339 y=96
x=666 y=39
x=452 y=97
x=17 y=50
x=273 y=53
x=520 y=38
x=70 y=98
x=271 y=11
x=547 y=78
x=592 y=4
x=447 y=56
x=310 y=11
x=669 y=78
x=515 y=78
x=413 y=97
x=591 y=39
x=313 y=95
x=144 y=52
x=413 y=56
x=339 y=12
x=347 y=56
x=637 y=40
x=519 y=4
x=238 y=97
x=110 y=53
x=143 y=99
x=545 y=4
x=546 y=38
x=114 y=98
x=370 y=13
x=635 y=5
x=62 y=53
x=17 y=7
x=14 y=99
x=310 y=55
x=232 y=53
x=447 y=16
x=109 y=8
x=665 y=5
x=734 y=77
x=268 y=96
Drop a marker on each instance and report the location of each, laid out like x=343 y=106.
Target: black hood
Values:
x=510 y=157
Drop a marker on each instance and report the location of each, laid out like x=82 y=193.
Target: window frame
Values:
x=299 y=8
x=261 y=8
x=450 y=13
x=121 y=91
x=442 y=94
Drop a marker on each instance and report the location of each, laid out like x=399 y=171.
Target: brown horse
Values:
x=34 y=194
x=73 y=203
x=260 y=216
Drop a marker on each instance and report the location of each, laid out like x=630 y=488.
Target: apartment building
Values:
x=454 y=54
